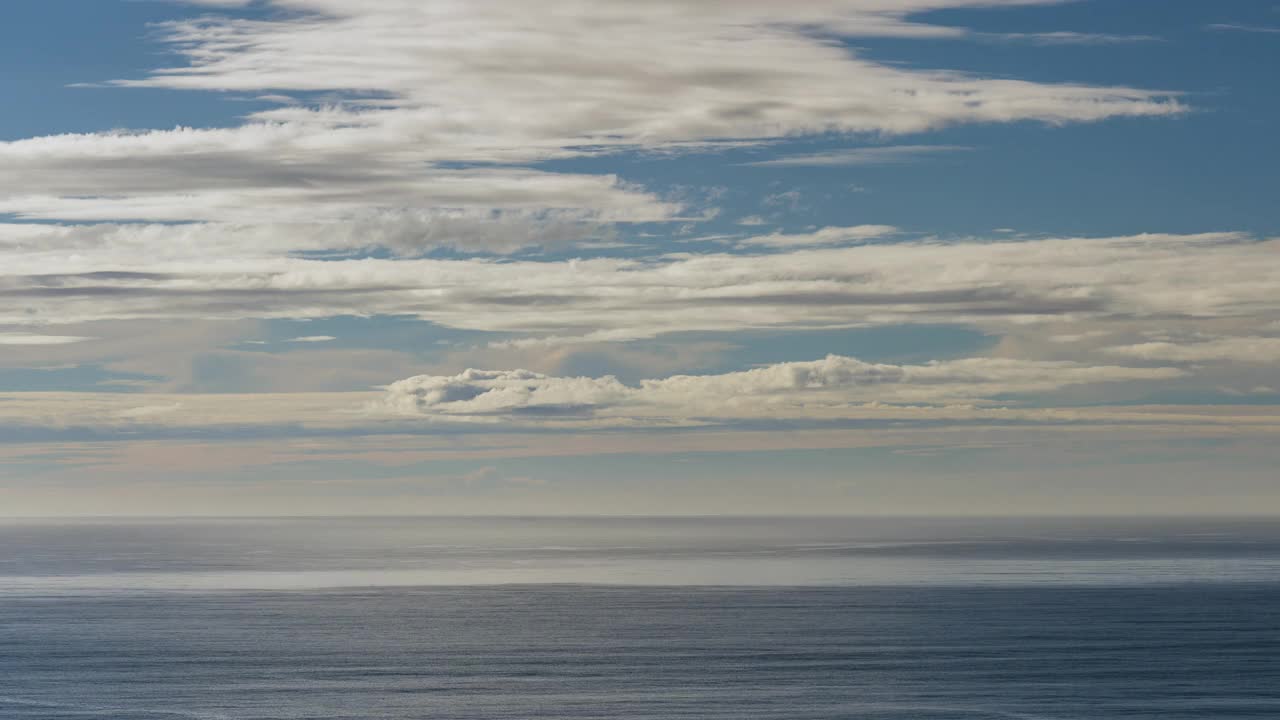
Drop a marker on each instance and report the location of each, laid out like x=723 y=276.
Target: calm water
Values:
x=646 y=619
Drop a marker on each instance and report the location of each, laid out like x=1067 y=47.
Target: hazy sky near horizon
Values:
x=604 y=256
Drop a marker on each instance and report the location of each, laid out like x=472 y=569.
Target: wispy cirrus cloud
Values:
x=824 y=236
x=436 y=107
x=1238 y=27
x=885 y=155
x=1068 y=38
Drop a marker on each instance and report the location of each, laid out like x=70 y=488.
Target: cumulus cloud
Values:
x=765 y=391
x=478 y=392
x=364 y=420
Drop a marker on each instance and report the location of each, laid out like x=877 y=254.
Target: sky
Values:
x=921 y=257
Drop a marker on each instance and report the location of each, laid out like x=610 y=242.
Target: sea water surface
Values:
x=868 y=618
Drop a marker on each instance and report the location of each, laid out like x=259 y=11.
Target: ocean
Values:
x=639 y=618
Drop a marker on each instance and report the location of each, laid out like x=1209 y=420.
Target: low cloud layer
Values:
x=1243 y=350
x=773 y=391
x=11 y=338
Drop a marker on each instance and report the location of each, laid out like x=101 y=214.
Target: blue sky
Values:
x=309 y=256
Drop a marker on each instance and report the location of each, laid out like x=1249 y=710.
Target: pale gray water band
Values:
x=407 y=619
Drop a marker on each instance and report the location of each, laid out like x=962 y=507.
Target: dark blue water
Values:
x=869 y=619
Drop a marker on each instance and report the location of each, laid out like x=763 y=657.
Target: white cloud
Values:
x=169 y=423
x=401 y=127
x=148 y=412
x=434 y=103
x=479 y=392
x=404 y=233
x=29 y=339
x=434 y=112
x=885 y=155
x=785 y=389
x=157 y=272
x=1069 y=38
x=1237 y=27
x=265 y=173
x=612 y=72
x=1245 y=350
x=825 y=236
x=489 y=478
